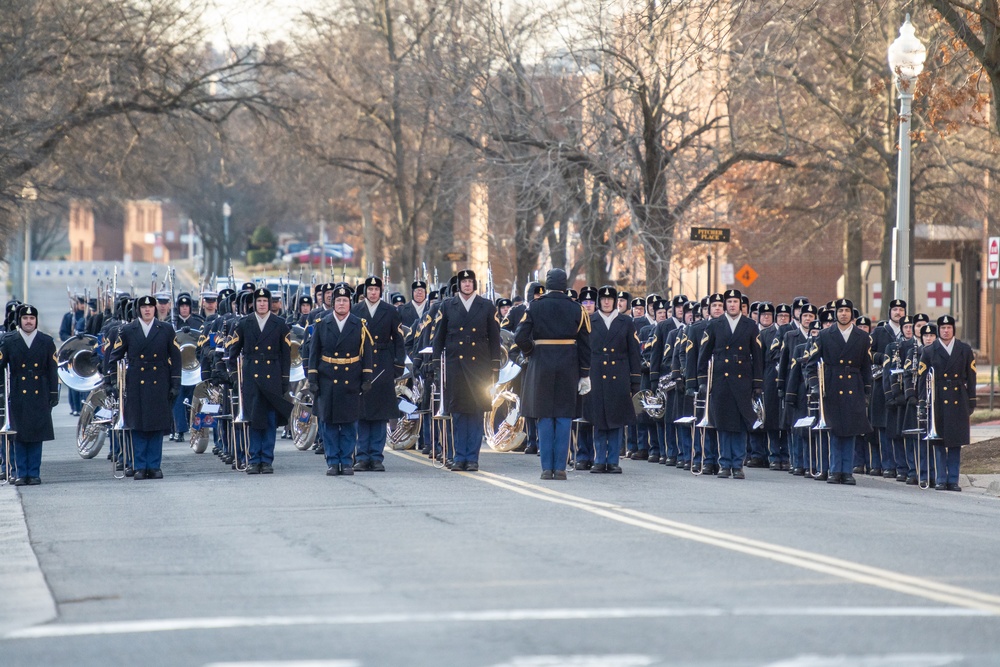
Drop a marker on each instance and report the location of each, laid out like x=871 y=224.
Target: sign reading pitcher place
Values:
x=711 y=234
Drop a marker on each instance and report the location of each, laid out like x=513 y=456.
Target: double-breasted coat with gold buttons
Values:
x=615 y=367
x=470 y=342
x=388 y=360
x=954 y=390
x=738 y=369
x=34 y=385
x=154 y=368
x=847 y=379
x=267 y=359
x=340 y=362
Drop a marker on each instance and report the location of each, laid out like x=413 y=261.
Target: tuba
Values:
x=509 y=434
x=205 y=405
x=187 y=341
x=758 y=409
x=78 y=361
x=653 y=403
x=96 y=416
x=303 y=422
x=406 y=432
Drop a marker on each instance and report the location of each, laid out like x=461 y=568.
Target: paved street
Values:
x=418 y=566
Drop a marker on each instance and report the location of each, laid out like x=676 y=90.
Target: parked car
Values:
x=330 y=255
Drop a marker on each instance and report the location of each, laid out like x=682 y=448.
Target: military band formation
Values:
x=582 y=380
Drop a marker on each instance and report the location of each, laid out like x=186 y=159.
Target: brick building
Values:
x=95 y=232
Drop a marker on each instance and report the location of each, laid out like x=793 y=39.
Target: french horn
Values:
x=79 y=364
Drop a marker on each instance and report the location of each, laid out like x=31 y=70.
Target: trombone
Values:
x=927 y=418
x=241 y=435
x=442 y=426
x=7 y=431
x=124 y=439
x=706 y=421
x=821 y=425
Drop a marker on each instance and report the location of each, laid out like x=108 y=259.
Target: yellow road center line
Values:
x=843 y=569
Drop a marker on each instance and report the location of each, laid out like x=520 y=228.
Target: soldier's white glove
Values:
x=583 y=387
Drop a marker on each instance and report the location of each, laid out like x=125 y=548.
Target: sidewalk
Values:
x=26 y=600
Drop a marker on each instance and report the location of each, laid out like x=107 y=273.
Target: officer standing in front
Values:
x=152 y=378
x=264 y=342
x=30 y=357
x=379 y=405
x=468 y=334
x=340 y=370
x=555 y=336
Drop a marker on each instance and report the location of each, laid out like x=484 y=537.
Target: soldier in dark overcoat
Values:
x=796 y=400
x=467 y=334
x=705 y=447
x=29 y=356
x=532 y=291
x=661 y=351
x=152 y=378
x=340 y=370
x=845 y=352
x=615 y=371
x=263 y=340
x=954 y=367
x=379 y=405
x=414 y=310
x=730 y=343
x=770 y=343
x=555 y=335
x=891 y=456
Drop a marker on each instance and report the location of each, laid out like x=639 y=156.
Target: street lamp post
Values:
x=29 y=193
x=906 y=62
x=226 y=212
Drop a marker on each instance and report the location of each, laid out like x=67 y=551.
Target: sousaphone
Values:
x=190 y=366
x=206 y=404
x=297 y=372
x=79 y=364
x=97 y=415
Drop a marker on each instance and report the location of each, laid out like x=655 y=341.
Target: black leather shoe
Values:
x=155 y=473
x=822 y=477
x=725 y=473
x=738 y=474
x=775 y=466
x=377 y=466
x=362 y=466
x=950 y=487
x=687 y=465
x=346 y=470
x=876 y=472
x=531 y=449
x=889 y=474
x=21 y=481
x=460 y=466
x=757 y=463
x=332 y=471
x=900 y=477
x=710 y=469
x=786 y=466
x=599 y=468
x=472 y=466
x=172 y=437
x=558 y=474
x=911 y=481
x=670 y=461
x=320 y=451
x=139 y=474
x=266 y=469
x=834 y=478
x=695 y=468
x=614 y=470
x=129 y=472
x=653 y=458
x=584 y=465
x=859 y=470
x=180 y=437
x=849 y=480
x=253 y=469
x=641 y=455
x=799 y=472
x=546 y=474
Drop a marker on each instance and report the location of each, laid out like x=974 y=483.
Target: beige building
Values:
x=153 y=231
x=95 y=234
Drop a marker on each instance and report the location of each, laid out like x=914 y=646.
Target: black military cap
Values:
x=433 y=295
x=226 y=293
x=80 y=298
x=651 y=297
x=26 y=309
x=305 y=299
x=145 y=301
x=863 y=321
x=607 y=292
x=678 y=300
x=262 y=293
x=929 y=329
x=897 y=303
x=843 y=303
x=183 y=300
x=718 y=298
x=733 y=294
x=827 y=315
x=360 y=289
x=799 y=301
x=466 y=274
x=533 y=289
x=705 y=300
x=744 y=299
x=691 y=306
x=342 y=291
x=247 y=286
x=906 y=320
x=754 y=305
x=637 y=301
x=625 y=295
x=319 y=288
x=815 y=325
x=660 y=304
x=808 y=308
x=572 y=293
x=373 y=281
x=921 y=317
x=418 y=284
x=518 y=298
x=855 y=313
x=504 y=301
x=765 y=308
x=398 y=298
x=588 y=293
x=945 y=319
